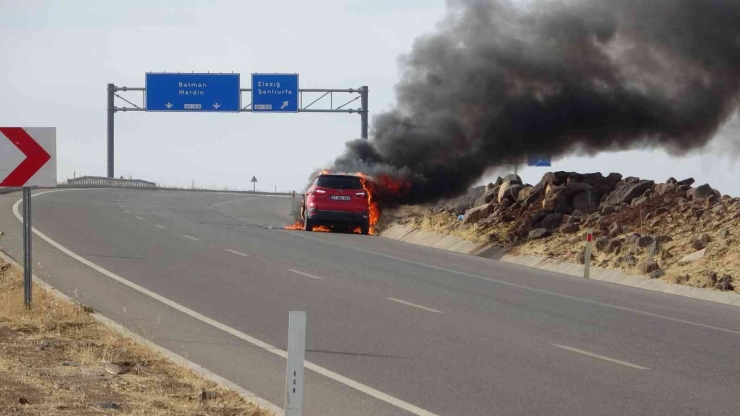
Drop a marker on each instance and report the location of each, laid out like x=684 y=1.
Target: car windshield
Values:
x=339 y=182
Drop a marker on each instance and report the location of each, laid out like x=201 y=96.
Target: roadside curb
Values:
x=456 y=244
x=178 y=359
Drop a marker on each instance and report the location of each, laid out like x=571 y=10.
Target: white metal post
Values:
x=294 y=368
x=587 y=263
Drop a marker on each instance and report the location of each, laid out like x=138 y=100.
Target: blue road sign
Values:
x=192 y=92
x=274 y=93
x=540 y=160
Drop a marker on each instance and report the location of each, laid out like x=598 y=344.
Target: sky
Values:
x=59 y=57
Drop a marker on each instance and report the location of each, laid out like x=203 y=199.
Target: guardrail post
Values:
x=294 y=367
x=587 y=257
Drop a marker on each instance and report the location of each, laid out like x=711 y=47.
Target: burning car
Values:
x=336 y=201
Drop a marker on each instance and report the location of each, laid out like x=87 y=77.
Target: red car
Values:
x=336 y=201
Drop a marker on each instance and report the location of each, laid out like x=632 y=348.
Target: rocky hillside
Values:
x=674 y=230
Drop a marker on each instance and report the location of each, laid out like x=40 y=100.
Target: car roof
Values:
x=338 y=175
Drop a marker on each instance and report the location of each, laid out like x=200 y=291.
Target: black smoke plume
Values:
x=502 y=79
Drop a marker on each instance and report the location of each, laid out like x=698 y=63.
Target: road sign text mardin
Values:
x=192 y=92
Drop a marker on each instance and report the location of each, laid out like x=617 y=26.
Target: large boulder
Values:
x=596 y=180
x=587 y=201
x=537 y=217
x=628 y=192
x=525 y=193
x=509 y=190
x=513 y=178
x=552 y=221
x=538 y=233
x=473 y=215
x=687 y=182
x=665 y=188
x=488 y=196
x=556 y=200
x=574 y=188
x=701 y=192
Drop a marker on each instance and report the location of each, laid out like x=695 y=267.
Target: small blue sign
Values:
x=539 y=160
x=275 y=93
x=193 y=92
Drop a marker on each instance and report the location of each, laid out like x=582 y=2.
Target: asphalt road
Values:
x=392 y=328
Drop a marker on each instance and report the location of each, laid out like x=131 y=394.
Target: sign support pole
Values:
x=294 y=367
x=27 y=248
x=364 y=111
x=111 y=113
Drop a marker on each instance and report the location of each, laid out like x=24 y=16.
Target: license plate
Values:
x=340 y=198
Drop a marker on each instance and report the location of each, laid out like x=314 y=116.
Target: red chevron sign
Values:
x=36 y=163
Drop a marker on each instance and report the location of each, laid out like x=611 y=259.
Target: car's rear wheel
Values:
x=307 y=223
x=365 y=228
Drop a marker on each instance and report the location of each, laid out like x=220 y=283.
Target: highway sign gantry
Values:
x=192 y=92
x=28 y=157
x=275 y=93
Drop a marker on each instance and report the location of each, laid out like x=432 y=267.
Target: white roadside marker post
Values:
x=587 y=258
x=294 y=367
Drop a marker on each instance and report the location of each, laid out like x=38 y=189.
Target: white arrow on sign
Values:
x=168 y=105
x=216 y=106
x=285 y=104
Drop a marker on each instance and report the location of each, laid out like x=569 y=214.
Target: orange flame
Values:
x=298 y=225
x=382 y=184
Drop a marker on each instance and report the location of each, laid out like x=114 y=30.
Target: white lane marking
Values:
x=236 y=252
x=241 y=335
x=160 y=226
x=414 y=305
x=139 y=218
x=601 y=357
x=306 y=274
x=233 y=200
x=127 y=212
x=534 y=289
x=192 y=238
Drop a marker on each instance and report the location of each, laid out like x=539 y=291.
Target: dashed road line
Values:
x=192 y=238
x=403 y=302
x=140 y=219
x=601 y=357
x=305 y=274
x=236 y=252
x=160 y=226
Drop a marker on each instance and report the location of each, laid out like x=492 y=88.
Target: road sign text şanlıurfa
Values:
x=193 y=92
x=275 y=93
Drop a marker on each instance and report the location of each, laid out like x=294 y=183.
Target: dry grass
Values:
x=441 y=223
x=150 y=384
